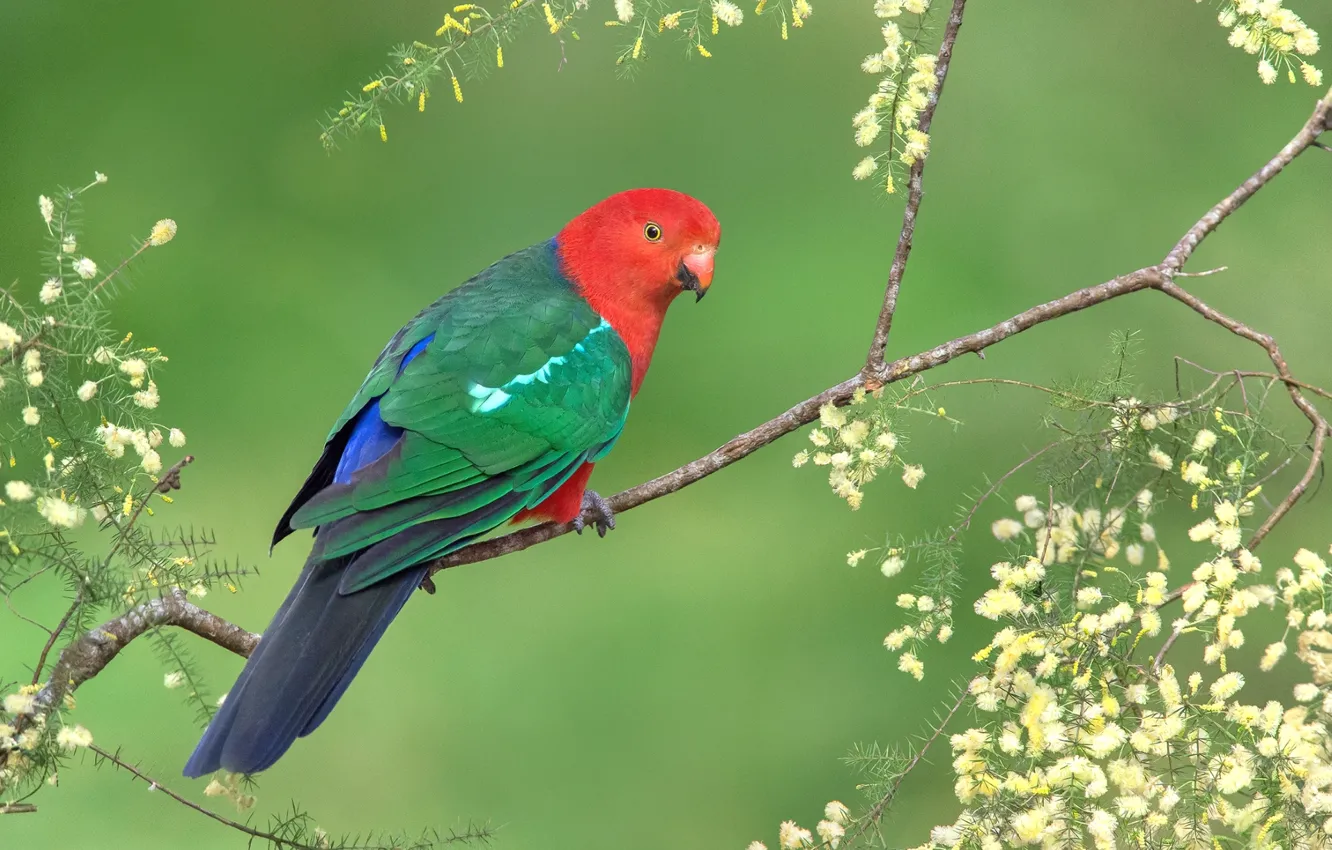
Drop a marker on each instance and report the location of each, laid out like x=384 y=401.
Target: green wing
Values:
x=519 y=383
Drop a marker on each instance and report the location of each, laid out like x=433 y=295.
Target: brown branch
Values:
x=91 y=652
x=808 y=410
x=17 y=809
x=1150 y=277
x=1165 y=647
x=1320 y=424
x=87 y=656
x=915 y=193
x=1317 y=124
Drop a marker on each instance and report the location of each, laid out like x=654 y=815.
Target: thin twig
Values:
x=120 y=268
x=1320 y=424
x=272 y=838
x=882 y=805
x=966 y=522
x=55 y=635
x=169 y=481
x=154 y=785
x=1165 y=647
x=915 y=193
x=1271 y=376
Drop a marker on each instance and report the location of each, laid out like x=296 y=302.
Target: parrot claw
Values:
x=596 y=503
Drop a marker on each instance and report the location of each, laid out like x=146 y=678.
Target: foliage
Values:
x=1083 y=732
x=76 y=398
x=85 y=474
x=471 y=46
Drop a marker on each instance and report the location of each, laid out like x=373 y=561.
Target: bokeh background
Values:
x=693 y=679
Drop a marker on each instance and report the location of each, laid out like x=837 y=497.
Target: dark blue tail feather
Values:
x=308 y=656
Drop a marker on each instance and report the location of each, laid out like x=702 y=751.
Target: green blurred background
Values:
x=693 y=679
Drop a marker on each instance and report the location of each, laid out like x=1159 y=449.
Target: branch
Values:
x=17 y=809
x=153 y=784
x=1165 y=648
x=1150 y=277
x=808 y=410
x=91 y=652
x=1318 y=123
x=877 y=812
x=1321 y=428
x=915 y=193
x=88 y=655
x=273 y=836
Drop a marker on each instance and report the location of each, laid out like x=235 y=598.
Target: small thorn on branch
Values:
x=1216 y=270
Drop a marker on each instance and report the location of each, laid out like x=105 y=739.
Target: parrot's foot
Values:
x=597 y=504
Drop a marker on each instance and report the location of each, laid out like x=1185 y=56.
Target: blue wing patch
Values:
x=372 y=437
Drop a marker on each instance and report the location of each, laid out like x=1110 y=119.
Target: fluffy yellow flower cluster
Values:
x=116 y=377
x=695 y=24
x=1088 y=753
x=1277 y=36
x=856 y=449
x=830 y=831
x=907 y=78
x=1085 y=745
x=1086 y=736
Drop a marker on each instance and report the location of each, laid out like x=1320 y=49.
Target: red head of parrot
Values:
x=633 y=253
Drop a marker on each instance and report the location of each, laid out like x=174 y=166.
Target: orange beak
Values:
x=695 y=271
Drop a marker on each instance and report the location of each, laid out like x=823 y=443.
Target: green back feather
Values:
x=522 y=383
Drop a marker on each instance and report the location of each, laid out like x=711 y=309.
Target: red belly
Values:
x=565 y=503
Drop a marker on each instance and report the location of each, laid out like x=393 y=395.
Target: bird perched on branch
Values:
x=491 y=405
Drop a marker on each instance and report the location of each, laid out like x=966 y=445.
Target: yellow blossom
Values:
x=163 y=232
x=912 y=475
x=70 y=737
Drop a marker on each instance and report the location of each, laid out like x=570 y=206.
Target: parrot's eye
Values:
x=652 y=232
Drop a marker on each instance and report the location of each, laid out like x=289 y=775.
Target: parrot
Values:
x=491 y=406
